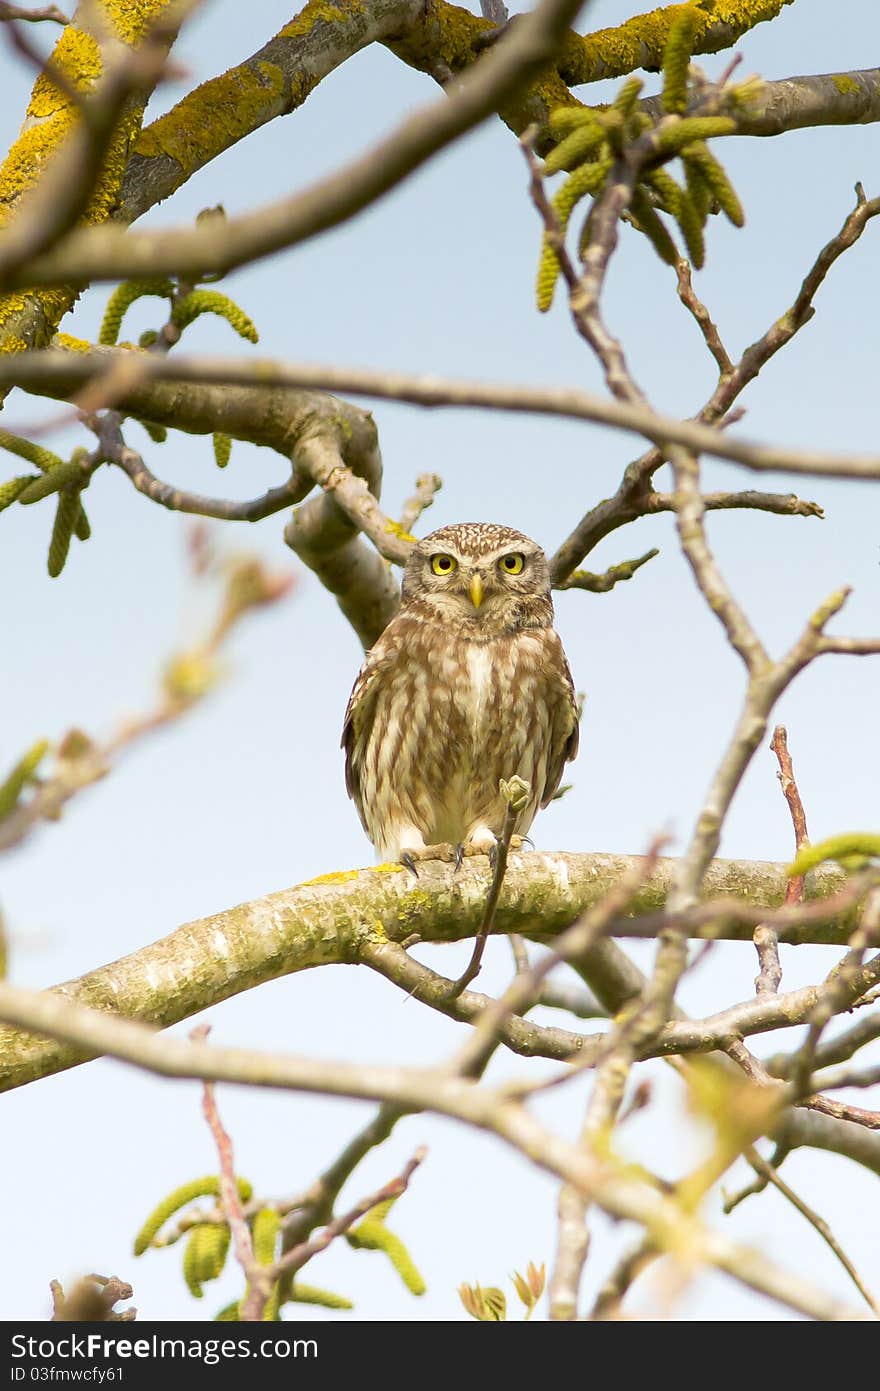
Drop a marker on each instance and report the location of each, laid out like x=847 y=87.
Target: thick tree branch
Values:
x=796 y=103
x=109 y=253
x=31 y=318
x=331 y=919
x=273 y=82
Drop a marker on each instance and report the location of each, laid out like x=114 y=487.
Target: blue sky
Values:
x=247 y=795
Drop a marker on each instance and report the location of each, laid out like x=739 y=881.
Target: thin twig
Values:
x=703 y=318
x=766 y=940
x=230 y=1200
x=769 y=1172
x=513 y=807
x=294 y=1259
x=428 y=486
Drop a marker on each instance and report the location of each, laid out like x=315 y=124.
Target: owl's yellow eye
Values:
x=512 y=564
x=443 y=564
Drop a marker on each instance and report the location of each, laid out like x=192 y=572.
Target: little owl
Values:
x=468 y=684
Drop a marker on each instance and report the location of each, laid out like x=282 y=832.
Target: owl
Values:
x=468 y=684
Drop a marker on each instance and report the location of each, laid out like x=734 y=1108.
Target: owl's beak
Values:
x=476 y=591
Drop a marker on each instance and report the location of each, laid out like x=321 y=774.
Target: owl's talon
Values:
x=410 y=858
x=459 y=857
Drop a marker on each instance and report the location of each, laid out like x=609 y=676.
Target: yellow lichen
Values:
x=29 y=319
x=73 y=345
x=132 y=18
x=214 y=116
x=341 y=876
x=395 y=529
x=223 y=110
x=345 y=876
x=315 y=12
x=639 y=42
x=78 y=56
x=444 y=34
x=846 y=85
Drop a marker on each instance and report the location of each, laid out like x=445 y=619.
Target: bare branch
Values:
x=622 y=1194
x=766 y=941
x=428 y=486
x=34 y=16
x=59 y=374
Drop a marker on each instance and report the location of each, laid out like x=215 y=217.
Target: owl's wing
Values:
x=359 y=715
x=564 y=734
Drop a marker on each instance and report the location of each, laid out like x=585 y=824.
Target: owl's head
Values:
x=487 y=579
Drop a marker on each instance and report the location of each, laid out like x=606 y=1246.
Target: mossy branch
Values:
x=291 y=931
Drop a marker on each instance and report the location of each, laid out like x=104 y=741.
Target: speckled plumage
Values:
x=459 y=692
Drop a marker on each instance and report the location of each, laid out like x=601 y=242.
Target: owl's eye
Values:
x=512 y=564
x=443 y=564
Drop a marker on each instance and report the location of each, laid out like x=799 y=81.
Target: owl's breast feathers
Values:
x=435 y=719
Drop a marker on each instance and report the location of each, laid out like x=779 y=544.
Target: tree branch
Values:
x=289 y=931
x=109 y=253
x=61 y=374
x=600 y=1179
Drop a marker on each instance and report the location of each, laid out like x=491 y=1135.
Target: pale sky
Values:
x=247 y=796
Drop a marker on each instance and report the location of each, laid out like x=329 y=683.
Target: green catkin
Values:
x=158 y=433
x=207 y=1187
x=228 y=1314
x=41 y=458
x=372 y=1235
x=691 y=224
x=615 y=129
x=311 y=1294
x=65 y=520
x=673 y=138
x=650 y=223
x=267 y=1224
x=585 y=140
x=851 y=849
x=192 y=1261
x=589 y=178
x=212 y=302
x=625 y=101
x=82 y=528
x=222 y=448
x=676 y=62
x=264 y=1233
x=565 y=119
x=548 y=274
x=13 y=785
x=121 y=300
x=715 y=178
x=698 y=190
x=63 y=476
x=13 y=488
x=205 y=1255
x=669 y=191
